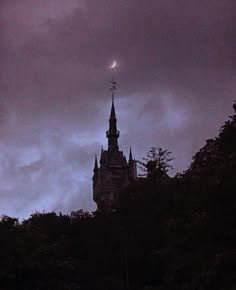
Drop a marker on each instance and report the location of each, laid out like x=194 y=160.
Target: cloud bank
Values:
x=176 y=88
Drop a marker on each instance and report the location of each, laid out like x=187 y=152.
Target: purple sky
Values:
x=176 y=88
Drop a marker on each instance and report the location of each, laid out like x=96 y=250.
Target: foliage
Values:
x=157 y=163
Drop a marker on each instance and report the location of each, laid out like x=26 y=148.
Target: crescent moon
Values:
x=113 y=65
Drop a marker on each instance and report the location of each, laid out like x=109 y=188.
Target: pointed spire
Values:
x=112 y=133
x=113 y=112
x=113 y=89
x=130 y=155
x=102 y=160
x=95 y=164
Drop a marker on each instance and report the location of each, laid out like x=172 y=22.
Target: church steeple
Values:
x=112 y=133
x=113 y=173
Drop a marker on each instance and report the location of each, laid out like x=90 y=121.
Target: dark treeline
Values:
x=170 y=234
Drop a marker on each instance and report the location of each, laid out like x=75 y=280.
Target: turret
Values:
x=95 y=172
x=132 y=166
x=95 y=169
x=130 y=155
x=102 y=159
x=125 y=162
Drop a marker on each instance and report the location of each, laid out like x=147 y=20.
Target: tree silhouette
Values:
x=157 y=163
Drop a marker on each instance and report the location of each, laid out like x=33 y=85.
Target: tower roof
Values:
x=113 y=112
x=102 y=159
x=130 y=155
x=113 y=89
x=112 y=133
x=95 y=164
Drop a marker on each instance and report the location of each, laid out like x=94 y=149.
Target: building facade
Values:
x=114 y=171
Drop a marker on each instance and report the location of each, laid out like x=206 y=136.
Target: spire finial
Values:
x=113 y=89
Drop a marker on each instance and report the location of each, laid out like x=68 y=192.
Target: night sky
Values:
x=175 y=89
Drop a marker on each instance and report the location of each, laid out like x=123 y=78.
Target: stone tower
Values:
x=114 y=172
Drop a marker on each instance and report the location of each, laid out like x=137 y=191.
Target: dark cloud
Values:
x=176 y=88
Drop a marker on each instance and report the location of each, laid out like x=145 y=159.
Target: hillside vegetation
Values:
x=176 y=234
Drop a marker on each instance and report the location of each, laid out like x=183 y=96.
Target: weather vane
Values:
x=113 y=88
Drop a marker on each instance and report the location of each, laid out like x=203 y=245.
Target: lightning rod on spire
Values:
x=113 y=89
